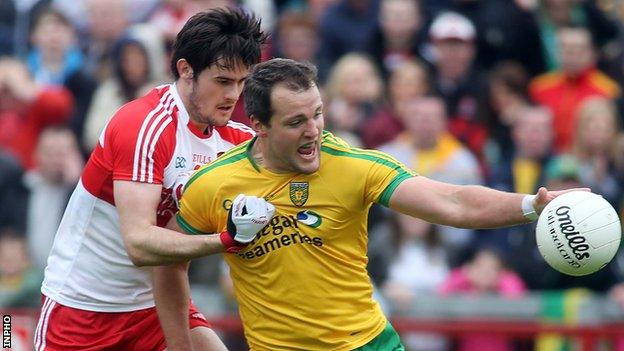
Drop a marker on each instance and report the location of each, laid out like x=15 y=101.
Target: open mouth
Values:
x=308 y=150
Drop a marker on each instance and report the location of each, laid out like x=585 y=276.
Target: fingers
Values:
x=238 y=204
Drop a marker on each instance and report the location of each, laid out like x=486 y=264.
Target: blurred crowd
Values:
x=513 y=94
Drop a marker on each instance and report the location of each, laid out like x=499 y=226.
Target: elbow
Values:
x=137 y=259
x=137 y=256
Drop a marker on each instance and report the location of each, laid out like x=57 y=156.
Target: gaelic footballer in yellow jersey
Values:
x=302 y=283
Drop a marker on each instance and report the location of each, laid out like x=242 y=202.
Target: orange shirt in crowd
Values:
x=563 y=95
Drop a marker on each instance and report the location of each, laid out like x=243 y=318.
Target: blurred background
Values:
x=513 y=94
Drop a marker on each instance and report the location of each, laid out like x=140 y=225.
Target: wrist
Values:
x=230 y=245
x=528 y=208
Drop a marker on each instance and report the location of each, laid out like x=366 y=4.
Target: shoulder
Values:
x=334 y=147
x=235 y=132
x=148 y=117
x=605 y=84
x=545 y=81
x=222 y=166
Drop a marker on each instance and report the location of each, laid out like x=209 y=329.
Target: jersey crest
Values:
x=299 y=193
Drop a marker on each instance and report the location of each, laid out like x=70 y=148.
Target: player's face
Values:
x=294 y=134
x=214 y=93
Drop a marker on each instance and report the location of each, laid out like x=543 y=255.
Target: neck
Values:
x=261 y=156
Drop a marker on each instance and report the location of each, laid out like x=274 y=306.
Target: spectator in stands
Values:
x=15 y=17
x=26 y=108
x=416 y=263
x=408 y=81
x=505 y=31
x=59 y=165
x=19 y=281
x=345 y=27
x=132 y=76
x=507 y=95
x=553 y=15
x=596 y=132
x=171 y=15
x=107 y=20
x=522 y=170
x=55 y=59
x=13 y=194
x=399 y=36
x=564 y=90
x=457 y=80
x=484 y=274
x=296 y=37
x=427 y=147
x=354 y=92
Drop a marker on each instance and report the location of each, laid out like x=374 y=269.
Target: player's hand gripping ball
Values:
x=578 y=233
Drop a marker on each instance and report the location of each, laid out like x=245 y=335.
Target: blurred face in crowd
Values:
x=55 y=148
x=108 y=19
x=293 y=136
x=454 y=57
x=299 y=43
x=412 y=227
x=577 y=53
x=53 y=36
x=425 y=120
x=532 y=132
x=13 y=256
x=399 y=19
x=408 y=81
x=597 y=126
x=359 y=81
x=484 y=271
x=134 y=64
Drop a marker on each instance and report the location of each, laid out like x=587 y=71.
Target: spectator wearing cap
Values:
x=456 y=78
x=564 y=90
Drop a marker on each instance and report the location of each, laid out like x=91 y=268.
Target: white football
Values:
x=578 y=233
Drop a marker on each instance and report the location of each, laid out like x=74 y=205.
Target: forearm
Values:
x=160 y=246
x=172 y=295
x=481 y=207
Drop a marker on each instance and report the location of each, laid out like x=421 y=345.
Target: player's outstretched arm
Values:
x=467 y=206
x=146 y=243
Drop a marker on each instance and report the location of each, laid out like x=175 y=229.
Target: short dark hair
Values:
x=230 y=36
x=296 y=76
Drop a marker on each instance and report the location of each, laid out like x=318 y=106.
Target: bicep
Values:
x=136 y=204
x=427 y=199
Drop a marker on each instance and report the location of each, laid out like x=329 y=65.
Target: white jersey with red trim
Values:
x=149 y=140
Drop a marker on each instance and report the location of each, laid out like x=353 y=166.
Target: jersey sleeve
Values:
x=374 y=173
x=196 y=215
x=235 y=132
x=140 y=142
x=384 y=175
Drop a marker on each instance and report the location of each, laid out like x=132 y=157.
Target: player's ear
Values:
x=258 y=127
x=184 y=69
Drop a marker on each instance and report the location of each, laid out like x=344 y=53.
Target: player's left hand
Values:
x=543 y=197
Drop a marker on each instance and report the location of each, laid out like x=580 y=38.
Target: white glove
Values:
x=248 y=215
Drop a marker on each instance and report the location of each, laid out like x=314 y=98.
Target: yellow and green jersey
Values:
x=302 y=283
